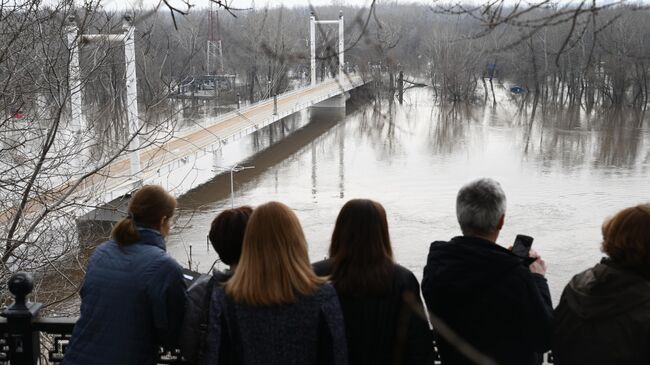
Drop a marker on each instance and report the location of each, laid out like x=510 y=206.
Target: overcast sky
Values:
x=252 y=3
x=113 y=4
x=121 y=4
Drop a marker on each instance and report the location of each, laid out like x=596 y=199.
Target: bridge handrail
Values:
x=265 y=101
x=175 y=161
x=255 y=126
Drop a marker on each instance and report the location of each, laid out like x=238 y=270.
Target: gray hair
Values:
x=479 y=206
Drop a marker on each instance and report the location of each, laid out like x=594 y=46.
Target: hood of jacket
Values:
x=606 y=290
x=467 y=264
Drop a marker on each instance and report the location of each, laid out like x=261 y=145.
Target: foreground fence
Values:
x=29 y=339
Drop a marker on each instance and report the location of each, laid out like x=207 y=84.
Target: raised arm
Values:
x=539 y=313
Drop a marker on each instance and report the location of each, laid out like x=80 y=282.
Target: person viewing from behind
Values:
x=496 y=301
x=226 y=236
x=274 y=309
x=133 y=295
x=604 y=312
x=383 y=312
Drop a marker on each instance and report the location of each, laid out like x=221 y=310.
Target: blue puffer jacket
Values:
x=132 y=302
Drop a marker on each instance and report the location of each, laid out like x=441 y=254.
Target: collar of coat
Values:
x=481 y=244
x=468 y=265
x=149 y=236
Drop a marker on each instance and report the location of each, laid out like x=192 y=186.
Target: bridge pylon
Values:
x=312 y=44
x=128 y=39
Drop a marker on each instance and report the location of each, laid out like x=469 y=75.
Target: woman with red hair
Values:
x=604 y=313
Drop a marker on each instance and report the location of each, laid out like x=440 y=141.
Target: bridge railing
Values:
x=209 y=121
x=238 y=131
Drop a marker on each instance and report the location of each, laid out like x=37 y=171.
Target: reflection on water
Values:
x=563 y=173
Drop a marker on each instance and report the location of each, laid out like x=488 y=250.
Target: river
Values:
x=563 y=174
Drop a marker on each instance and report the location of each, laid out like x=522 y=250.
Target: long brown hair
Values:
x=626 y=237
x=146 y=208
x=274 y=264
x=361 y=252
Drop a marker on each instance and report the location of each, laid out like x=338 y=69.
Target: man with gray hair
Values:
x=496 y=301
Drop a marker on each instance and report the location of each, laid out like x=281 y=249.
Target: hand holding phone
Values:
x=539 y=265
x=522 y=245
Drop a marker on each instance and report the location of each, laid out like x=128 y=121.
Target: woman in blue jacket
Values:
x=133 y=294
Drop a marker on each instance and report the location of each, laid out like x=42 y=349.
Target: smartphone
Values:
x=522 y=245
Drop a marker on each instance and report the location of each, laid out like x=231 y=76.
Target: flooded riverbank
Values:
x=563 y=174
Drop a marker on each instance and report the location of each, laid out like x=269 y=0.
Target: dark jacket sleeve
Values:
x=216 y=334
x=427 y=282
x=333 y=336
x=167 y=297
x=419 y=337
x=195 y=320
x=539 y=312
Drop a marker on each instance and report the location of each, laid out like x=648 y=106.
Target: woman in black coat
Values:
x=604 y=313
x=382 y=309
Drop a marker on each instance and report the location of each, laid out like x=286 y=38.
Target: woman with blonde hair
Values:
x=274 y=309
x=133 y=295
x=604 y=313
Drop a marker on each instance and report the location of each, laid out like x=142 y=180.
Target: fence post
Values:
x=24 y=344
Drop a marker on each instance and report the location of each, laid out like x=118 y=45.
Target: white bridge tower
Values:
x=312 y=44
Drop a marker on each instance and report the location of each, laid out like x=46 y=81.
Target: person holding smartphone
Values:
x=496 y=301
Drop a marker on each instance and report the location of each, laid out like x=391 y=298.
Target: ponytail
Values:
x=146 y=209
x=125 y=232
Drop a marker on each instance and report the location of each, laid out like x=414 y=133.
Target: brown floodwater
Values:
x=563 y=174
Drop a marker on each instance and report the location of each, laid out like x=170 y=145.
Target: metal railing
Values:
x=26 y=338
x=29 y=339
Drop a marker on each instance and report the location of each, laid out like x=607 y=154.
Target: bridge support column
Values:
x=333 y=107
x=312 y=45
x=74 y=80
x=95 y=226
x=337 y=101
x=341 y=48
x=127 y=38
x=77 y=126
x=132 y=95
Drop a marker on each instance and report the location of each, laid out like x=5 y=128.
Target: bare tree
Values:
x=52 y=165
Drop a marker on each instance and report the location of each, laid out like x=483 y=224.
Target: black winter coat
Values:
x=383 y=329
x=603 y=318
x=488 y=296
x=195 y=320
x=307 y=331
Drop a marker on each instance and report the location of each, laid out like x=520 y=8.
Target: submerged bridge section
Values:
x=183 y=149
